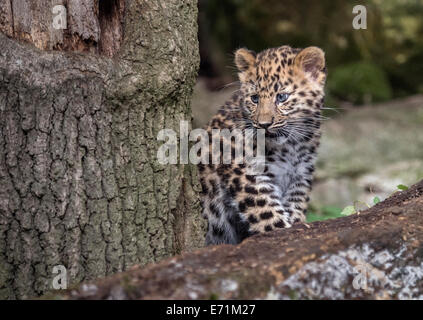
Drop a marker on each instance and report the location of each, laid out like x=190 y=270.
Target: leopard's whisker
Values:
x=230 y=84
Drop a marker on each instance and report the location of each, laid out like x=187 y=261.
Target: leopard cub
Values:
x=281 y=92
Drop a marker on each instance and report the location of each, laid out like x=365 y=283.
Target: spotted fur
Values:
x=282 y=91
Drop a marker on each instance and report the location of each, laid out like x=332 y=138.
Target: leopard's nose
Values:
x=265 y=125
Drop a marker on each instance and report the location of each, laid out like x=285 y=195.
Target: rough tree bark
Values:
x=377 y=253
x=79 y=182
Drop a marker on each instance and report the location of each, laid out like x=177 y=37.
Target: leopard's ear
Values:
x=245 y=59
x=311 y=60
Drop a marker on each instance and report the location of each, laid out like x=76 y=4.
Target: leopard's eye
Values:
x=255 y=98
x=282 y=97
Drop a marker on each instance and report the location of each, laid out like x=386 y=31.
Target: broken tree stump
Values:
x=377 y=253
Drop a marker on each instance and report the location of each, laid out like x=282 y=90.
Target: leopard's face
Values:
x=282 y=88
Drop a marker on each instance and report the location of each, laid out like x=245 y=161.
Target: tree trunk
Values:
x=377 y=253
x=80 y=185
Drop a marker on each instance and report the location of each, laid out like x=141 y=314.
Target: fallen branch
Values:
x=377 y=253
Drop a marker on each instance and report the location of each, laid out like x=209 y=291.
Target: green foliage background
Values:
x=382 y=62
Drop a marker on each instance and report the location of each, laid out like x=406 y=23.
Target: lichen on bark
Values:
x=376 y=254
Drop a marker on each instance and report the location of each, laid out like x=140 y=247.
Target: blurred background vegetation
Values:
x=375 y=77
x=376 y=64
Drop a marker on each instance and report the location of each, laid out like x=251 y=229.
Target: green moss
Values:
x=293 y=295
x=323 y=213
x=359 y=82
x=213 y=296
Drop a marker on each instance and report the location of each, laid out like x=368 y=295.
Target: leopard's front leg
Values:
x=266 y=206
x=296 y=198
x=259 y=202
